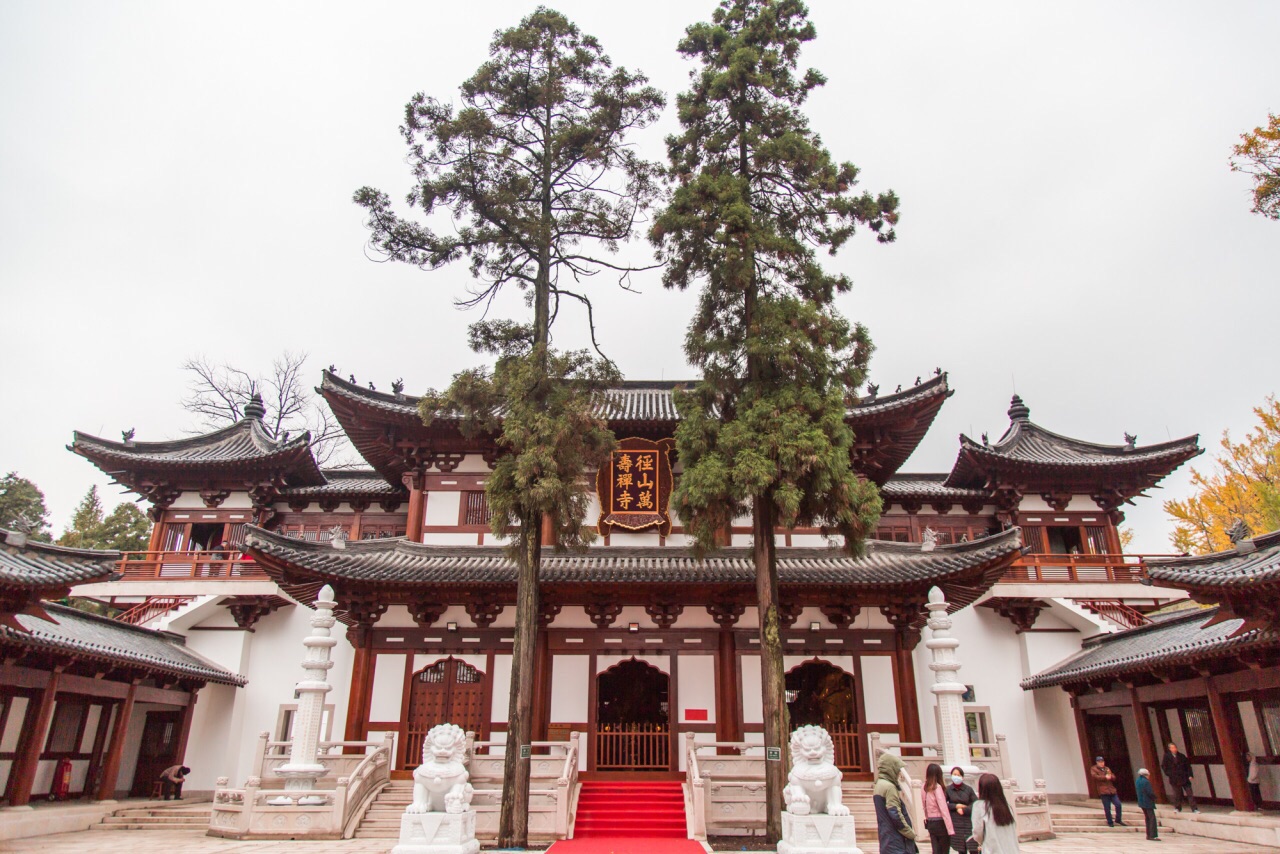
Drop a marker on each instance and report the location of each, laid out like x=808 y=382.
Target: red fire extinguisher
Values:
x=61 y=787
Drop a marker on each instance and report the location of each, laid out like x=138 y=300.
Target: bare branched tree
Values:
x=219 y=392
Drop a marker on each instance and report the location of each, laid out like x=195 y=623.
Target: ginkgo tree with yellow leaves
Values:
x=1244 y=483
x=1258 y=154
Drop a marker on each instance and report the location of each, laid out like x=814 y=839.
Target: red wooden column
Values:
x=905 y=673
x=115 y=749
x=35 y=728
x=1082 y=733
x=1229 y=746
x=361 y=681
x=1150 y=757
x=184 y=728
x=728 y=703
x=413 y=481
x=541 y=685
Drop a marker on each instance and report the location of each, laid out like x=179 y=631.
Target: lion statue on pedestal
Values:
x=440 y=782
x=813 y=785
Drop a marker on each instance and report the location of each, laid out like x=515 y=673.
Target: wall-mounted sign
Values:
x=635 y=486
x=525 y=751
x=695 y=714
x=773 y=754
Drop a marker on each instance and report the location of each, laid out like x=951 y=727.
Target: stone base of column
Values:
x=438 y=833
x=817 y=834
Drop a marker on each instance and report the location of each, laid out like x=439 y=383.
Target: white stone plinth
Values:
x=438 y=833
x=817 y=834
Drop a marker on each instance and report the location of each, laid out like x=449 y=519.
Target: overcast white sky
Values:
x=176 y=180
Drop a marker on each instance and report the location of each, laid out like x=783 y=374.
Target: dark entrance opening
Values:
x=159 y=750
x=633 y=718
x=450 y=691
x=1106 y=739
x=822 y=694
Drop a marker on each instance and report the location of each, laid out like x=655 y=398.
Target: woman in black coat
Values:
x=960 y=798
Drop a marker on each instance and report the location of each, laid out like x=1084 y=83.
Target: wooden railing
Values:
x=227 y=564
x=633 y=747
x=1116 y=611
x=1037 y=568
x=154 y=607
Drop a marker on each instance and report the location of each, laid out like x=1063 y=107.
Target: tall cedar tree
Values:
x=125 y=528
x=537 y=176
x=22 y=507
x=756 y=195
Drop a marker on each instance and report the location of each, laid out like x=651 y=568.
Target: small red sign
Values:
x=695 y=714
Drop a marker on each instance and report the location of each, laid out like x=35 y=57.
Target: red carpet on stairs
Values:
x=623 y=816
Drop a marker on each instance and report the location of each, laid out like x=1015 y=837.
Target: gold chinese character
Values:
x=624 y=479
x=644 y=462
x=624 y=462
x=646 y=501
x=624 y=500
x=645 y=482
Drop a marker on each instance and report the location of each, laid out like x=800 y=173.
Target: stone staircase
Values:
x=382 y=821
x=175 y=815
x=1092 y=820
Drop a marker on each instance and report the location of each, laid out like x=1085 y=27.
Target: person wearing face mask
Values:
x=960 y=798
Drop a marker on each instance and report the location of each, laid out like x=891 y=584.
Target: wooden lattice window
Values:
x=1033 y=536
x=1099 y=542
x=475 y=508
x=1200 y=739
x=1269 y=714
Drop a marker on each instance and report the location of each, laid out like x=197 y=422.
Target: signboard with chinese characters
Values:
x=635 y=486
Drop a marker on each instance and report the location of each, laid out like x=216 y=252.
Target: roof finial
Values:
x=127 y=435
x=1130 y=441
x=1019 y=411
x=254 y=408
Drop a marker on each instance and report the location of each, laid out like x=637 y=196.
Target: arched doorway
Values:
x=449 y=691
x=633 y=718
x=822 y=694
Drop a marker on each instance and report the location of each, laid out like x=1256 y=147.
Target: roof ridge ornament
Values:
x=1019 y=411
x=255 y=408
x=1241 y=536
x=929 y=541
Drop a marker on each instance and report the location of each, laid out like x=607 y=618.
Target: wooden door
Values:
x=1106 y=739
x=449 y=691
x=159 y=750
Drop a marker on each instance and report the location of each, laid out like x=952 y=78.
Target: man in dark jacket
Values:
x=1178 y=769
x=1147 y=802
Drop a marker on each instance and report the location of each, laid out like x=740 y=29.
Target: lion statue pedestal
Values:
x=440 y=819
x=816 y=821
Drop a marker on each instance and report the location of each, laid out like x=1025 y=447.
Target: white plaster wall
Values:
x=1079 y=504
x=569 y=678
x=473 y=464
x=212 y=732
x=440 y=539
x=388 y=686
x=443 y=508
x=501 y=680
x=697 y=688
x=752 y=700
x=878 y=696
x=13 y=725
x=193 y=501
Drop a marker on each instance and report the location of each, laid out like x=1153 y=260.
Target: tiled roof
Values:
x=369 y=417
x=398 y=562
x=246 y=442
x=34 y=566
x=926 y=486
x=345 y=482
x=1235 y=568
x=86 y=634
x=1027 y=444
x=1177 y=638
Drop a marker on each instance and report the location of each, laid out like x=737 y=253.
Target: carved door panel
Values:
x=449 y=691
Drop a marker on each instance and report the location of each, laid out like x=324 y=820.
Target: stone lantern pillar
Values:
x=953 y=732
x=303 y=768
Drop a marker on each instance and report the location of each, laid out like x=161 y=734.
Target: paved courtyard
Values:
x=195 y=842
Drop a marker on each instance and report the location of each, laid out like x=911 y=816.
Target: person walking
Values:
x=1105 y=781
x=994 y=827
x=1178 y=769
x=1147 y=803
x=937 y=815
x=1254 y=779
x=893 y=824
x=960 y=800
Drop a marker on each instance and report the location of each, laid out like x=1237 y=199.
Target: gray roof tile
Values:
x=33 y=566
x=1234 y=568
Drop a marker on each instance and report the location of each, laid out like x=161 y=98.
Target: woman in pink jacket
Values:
x=937 y=818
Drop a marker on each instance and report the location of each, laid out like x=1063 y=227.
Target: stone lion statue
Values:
x=814 y=783
x=440 y=782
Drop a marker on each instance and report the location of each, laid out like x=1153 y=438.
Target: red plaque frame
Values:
x=634 y=486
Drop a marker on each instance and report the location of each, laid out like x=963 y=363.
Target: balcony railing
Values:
x=213 y=564
x=1036 y=568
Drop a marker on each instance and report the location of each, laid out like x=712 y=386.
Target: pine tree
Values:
x=537 y=171
x=756 y=196
x=85 y=529
x=125 y=529
x=22 y=507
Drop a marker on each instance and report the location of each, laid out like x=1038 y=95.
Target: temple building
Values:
x=642 y=642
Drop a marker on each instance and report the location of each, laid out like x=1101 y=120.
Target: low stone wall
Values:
x=1249 y=828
